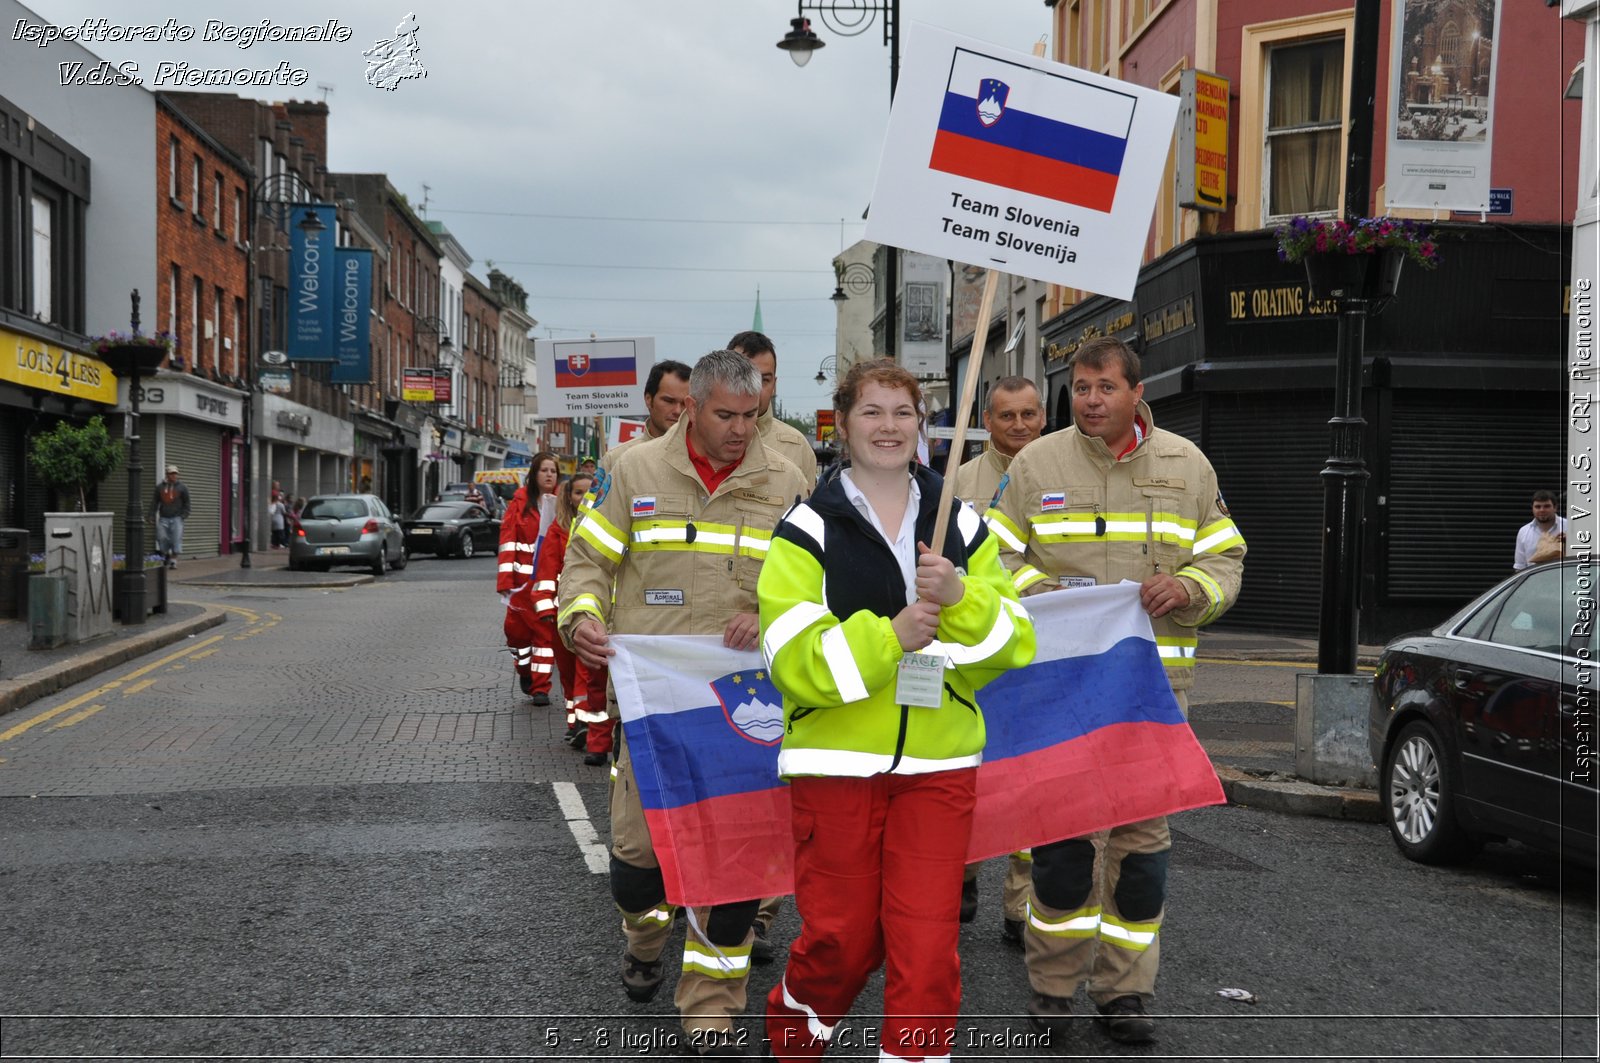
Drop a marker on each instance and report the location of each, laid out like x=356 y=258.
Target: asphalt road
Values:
x=331 y=828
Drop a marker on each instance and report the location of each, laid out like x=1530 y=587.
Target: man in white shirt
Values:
x=1544 y=522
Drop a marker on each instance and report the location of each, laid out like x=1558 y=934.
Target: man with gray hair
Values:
x=636 y=566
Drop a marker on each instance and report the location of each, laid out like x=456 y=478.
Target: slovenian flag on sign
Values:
x=1041 y=133
x=580 y=369
x=1087 y=737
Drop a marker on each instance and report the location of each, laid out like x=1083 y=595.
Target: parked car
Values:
x=1484 y=727
x=477 y=494
x=347 y=530
x=445 y=528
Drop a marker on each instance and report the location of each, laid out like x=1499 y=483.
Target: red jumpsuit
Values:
x=519 y=536
x=546 y=571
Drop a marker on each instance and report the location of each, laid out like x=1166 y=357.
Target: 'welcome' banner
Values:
x=352 y=316
x=313 y=237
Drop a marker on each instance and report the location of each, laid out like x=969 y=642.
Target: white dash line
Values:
x=596 y=855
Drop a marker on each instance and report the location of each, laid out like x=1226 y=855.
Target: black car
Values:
x=451 y=527
x=1485 y=726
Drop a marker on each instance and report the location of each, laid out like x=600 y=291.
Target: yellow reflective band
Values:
x=1082 y=923
x=788 y=625
x=1009 y=533
x=732 y=963
x=1212 y=589
x=1136 y=937
x=847 y=678
x=1026 y=576
x=1025 y=855
x=1215 y=538
x=603 y=536
x=660 y=915
x=583 y=603
x=992 y=643
x=1176 y=652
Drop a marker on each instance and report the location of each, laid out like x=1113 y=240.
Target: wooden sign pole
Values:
x=969 y=391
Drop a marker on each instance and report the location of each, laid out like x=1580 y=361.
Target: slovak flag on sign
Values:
x=1045 y=134
x=580 y=369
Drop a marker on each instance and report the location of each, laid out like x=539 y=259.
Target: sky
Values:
x=640 y=168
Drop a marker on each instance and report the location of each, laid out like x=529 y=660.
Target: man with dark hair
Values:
x=664 y=392
x=775 y=434
x=171 y=510
x=1114 y=498
x=1545 y=522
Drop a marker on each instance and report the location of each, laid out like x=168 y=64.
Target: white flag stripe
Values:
x=1046 y=95
x=661 y=674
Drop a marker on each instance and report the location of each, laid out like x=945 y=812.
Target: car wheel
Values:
x=381 y=565
x=1419 y=799
x=404 y=558
x=467 y=547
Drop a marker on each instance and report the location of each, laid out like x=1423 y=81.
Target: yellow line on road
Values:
x=202 y=656
x=10 y=733
x=143 y=684
x=78 y=717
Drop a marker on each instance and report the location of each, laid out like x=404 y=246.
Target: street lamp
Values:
x=851 y=18
x=855 y=276
x=134 y=361
x=273 y=197
x=829 y=366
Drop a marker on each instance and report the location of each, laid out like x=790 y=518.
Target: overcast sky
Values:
x=639 y=167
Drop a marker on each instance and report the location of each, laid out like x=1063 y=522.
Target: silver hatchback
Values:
x=347 y=530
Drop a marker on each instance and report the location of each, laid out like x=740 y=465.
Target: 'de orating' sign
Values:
x=1022 y=165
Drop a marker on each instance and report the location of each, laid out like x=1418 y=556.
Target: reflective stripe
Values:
x=708 y=538
x=526 y=548
x=1215 y=538
x=1176 y=651
x=603 y=536
x=1112 y=527
x=789 y=624
x=589 y=717
x=814 y=1024
x=992 y=643
x=1026 y=576
x=733 y=962
x=969 y=523
x=583 y=603
x=1136 y=937
x=512 y=566
x=842 y=664
x=1212 y=589
x=661 y=915
x=539 y=669
x=859 y=765
x=1081 y=923
x=545 y=585
x=1009 y=533
x=807 y=520
x=544 y=651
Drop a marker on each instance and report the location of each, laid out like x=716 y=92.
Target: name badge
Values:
x=1078 y=581
x=921 y=680
x=663 y=597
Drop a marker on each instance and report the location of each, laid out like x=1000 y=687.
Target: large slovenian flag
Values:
x=1041 y=133
x=1087 y=737
x=580 y=369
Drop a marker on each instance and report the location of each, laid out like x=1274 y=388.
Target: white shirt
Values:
x=904 y=544
x=1528 y=538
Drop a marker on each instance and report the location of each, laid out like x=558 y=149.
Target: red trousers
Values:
x=541 y=656
x=878 y=864
x=591 y=708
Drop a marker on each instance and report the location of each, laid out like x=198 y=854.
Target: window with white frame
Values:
x=1305 y=109
x=43 y=258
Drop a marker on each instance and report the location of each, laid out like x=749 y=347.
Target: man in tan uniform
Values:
x=1014 y=417
x=1114 y=498
x=775 y=434
x=673 y=545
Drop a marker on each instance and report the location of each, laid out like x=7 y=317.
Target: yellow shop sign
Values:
x=43 y=366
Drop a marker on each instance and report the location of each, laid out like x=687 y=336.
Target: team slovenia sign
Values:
x=1026 y=166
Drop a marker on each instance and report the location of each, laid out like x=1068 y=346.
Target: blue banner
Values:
x=352 y=316
x=311 y=282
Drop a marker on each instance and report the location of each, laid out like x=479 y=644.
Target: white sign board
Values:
x=579 y=378
x=1019 y=164
x=1441 y=106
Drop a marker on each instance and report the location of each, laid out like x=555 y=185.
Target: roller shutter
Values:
x=1269 y=449
x=1462 y=469
x=1181 y=415
x=196 y=449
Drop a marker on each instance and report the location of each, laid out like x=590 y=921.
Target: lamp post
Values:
x=272 y=197
x=441 y=344
x=828 y=368
x=133 y=361
x=851 y=18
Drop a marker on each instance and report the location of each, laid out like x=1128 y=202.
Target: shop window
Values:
x=1303 y=159
x=43 y=258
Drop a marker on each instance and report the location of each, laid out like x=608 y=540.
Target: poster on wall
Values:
x=922 y=315
x=1441 y=114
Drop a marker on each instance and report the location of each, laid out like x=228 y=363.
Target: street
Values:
x=333 y=828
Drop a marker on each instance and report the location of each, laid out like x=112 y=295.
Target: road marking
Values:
x=594 y=854
x=43 y=717
x=203 y=656
x=143 y=684
x=78 y=717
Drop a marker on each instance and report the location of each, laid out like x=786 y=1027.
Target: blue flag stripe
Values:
x=1034 y=135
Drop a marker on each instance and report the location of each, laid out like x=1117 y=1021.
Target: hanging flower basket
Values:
x=1333 y=275
x=133 y=353
x=1359 y=260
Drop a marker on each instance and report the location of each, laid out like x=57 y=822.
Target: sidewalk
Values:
x=1269 y=783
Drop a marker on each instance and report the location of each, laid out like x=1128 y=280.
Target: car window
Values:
x=476 y=513
x=334 y=509
x=1531 y=616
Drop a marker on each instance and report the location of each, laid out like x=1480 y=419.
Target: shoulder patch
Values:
x=1222 y=507
x=1050 y=501
x=602 y=485
x=1005 y=479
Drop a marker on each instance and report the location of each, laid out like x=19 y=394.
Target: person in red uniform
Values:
x=546 y=577
x=519 y=539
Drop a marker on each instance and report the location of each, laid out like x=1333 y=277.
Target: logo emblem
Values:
x=992 y=96
x=577 y=364
x=751 y=705
x=1005 y=479
x=1053 y=500
x=392 y=61
x=644 y=507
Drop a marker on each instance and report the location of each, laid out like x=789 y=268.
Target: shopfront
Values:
x=302 y=450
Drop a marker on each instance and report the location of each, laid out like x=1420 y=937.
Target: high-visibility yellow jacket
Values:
x=977 y=480
x=788 y=440
x=680 y=561
x=829 y=593
x=1071 y=514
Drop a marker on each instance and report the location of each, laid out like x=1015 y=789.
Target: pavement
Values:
x=1268 y=782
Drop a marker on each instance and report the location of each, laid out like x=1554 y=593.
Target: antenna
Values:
x=423 y=210
x=326 y=88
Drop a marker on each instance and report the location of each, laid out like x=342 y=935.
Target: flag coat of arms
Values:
x=580 y=369
x=1087 y=737
x=1045 y=134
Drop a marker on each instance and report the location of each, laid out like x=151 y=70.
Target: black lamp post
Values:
x=132 y=362
x=271 y=197
x=851 y=18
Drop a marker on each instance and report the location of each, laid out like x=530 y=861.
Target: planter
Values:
x=128 y=359
x=1335 y=275
x=155 y=591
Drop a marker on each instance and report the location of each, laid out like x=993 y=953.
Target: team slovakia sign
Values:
x=584 y=377
x=312 y=287
x=1016 y=163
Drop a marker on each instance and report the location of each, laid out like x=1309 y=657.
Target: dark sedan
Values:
x=1485 y=726
x=450 y=527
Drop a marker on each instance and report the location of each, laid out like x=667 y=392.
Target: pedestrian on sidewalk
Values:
x=1114 y=498
x=278 y=512
x=172 y=509
x=519 y=544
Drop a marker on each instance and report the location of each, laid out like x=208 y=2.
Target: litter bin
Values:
x=13 y=570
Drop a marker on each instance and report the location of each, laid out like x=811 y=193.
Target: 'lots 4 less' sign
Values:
x=33 y=363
